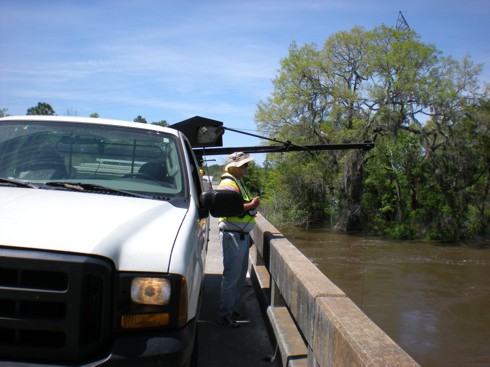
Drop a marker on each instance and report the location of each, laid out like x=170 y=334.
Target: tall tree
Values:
x=388 y=86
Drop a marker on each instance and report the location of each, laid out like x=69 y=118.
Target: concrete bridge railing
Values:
x=312 y=320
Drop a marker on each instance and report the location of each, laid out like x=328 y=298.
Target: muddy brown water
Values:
x=432 y=300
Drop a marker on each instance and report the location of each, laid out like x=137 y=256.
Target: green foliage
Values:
x=42 y=108
x=161 y=123
x=296 y=189
x=253 y=180
x=140 y=119
x=400 y=231
x=429 y=175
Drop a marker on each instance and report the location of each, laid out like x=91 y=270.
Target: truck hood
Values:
x=115 y=227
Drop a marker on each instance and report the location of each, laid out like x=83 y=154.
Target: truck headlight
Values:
x=152 y=300
x=151 y=291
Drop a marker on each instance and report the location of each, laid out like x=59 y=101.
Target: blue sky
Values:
x=172 y=60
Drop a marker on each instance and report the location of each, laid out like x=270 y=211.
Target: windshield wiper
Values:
x=16 y=183
x=86 y=187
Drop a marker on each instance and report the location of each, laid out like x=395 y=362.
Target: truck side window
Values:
x=196 y=177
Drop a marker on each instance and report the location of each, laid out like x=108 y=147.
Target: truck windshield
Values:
x=135 y=160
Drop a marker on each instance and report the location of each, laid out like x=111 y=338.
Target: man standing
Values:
x=235 y=239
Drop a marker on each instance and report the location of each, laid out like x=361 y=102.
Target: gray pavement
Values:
x=248 y=345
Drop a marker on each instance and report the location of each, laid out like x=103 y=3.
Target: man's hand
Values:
x=251 y=205
x=255 y=202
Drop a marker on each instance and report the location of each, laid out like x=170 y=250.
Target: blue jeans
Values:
x=235 y=263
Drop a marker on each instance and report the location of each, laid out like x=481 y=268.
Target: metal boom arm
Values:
x=205 y=137
x=283 y=148
x=286 y=146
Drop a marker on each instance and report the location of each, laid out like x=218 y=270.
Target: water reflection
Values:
x=434 y=301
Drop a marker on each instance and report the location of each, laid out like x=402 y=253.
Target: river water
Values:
x=432 y=300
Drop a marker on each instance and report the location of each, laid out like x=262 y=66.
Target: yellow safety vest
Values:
x=229 y=182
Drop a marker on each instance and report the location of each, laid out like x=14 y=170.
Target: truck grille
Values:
x=53 y=306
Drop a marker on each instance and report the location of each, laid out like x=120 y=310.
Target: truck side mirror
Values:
x=222 y=203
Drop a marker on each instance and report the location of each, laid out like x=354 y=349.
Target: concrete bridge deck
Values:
x=219 y=346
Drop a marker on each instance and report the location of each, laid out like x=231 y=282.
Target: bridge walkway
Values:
x=248 y=345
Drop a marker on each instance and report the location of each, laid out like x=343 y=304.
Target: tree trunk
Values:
x=350 y=193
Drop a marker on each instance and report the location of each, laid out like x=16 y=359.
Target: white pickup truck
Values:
x=103 y=238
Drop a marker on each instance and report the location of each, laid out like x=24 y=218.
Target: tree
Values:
x=316 y=99
x=387 y=86
x=42 y=108
x=140 y=119
x=477 y=124
x=3 y=112
x=94 y=115
x=161 y=123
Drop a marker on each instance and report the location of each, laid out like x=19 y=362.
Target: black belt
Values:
x=242 y=234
